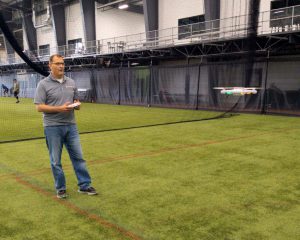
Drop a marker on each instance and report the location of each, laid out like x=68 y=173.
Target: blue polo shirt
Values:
x=51 y=92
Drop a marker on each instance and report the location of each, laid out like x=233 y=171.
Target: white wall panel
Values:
x=233 y=8
x=234 y=15
x=45 y=35
x=74 y=22
x=113 y=23
x=265 y=7
x=25 y=43
x=3 y=56
x=171 y=10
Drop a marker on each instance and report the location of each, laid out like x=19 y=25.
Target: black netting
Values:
x=172 y=87
x=83 y=82
x=236 y=75
x=283 y=88
x=134 y=86
x=187 y=87
x=105 y=85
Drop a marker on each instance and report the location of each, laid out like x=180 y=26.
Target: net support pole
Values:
x=150 y=84
x=119 y=83
x=187 y=83
x=265 y=95
x=198 y=86
x=253 y=19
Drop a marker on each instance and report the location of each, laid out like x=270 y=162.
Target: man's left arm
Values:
x=76 y=98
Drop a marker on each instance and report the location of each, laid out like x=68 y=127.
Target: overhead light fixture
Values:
x=123 y=5
x=279 y=11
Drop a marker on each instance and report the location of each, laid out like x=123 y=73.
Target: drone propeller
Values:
x=239 y=91
x=250 y=88
x=230 y=88
x=219 y=88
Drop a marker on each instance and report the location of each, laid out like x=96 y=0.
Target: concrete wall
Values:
x=74 y=22
x=169 y=11
x=117 y=22
x=234 y=15
x=45 y=35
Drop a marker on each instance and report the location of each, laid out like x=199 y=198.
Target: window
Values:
x=276 y=4
x=2 y=44
x=44 y=50
x=75 y=46
x=190 y=26
x=19 y=37
x=281 y=12
x=40 y=7
x=17 y=18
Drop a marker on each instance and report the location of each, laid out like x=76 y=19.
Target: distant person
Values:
x=5 y=90
x=16 y=89
x=53 y=97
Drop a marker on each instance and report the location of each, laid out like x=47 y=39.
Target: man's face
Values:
x=57 y=67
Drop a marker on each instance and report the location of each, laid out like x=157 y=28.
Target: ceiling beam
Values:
x=13 y=6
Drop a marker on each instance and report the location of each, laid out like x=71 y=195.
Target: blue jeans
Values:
x=56 y=137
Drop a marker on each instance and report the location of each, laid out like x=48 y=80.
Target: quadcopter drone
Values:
x=237 y=90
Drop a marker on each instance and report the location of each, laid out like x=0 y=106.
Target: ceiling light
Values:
x=123 y=5
x=279 y=11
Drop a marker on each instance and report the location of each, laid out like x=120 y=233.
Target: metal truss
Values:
x=266 y=46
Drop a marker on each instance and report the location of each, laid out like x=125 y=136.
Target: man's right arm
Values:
x=53 y=109
x=40 y=99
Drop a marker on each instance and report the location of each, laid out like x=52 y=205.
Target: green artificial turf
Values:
x=231 y=178
x=22 y=121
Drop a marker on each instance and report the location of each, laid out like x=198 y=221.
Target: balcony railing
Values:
x=270 y=22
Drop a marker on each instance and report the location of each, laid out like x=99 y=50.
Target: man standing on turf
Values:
x=53 y=96
x=16 y=89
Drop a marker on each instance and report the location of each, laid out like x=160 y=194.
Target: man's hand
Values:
x=66 y=108
x=78 y=107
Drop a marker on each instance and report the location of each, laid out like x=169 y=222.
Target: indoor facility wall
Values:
x=45 y=34
x=169 y=11
x=115 y=22
x=74 y=22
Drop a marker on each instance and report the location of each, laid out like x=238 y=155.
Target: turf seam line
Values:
x=127 y=128
x=78 y=210
x=136 y=155
x=120 y=129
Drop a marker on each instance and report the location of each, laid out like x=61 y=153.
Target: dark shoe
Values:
x=17 y=101
x=61 y=194
x=88 y=191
